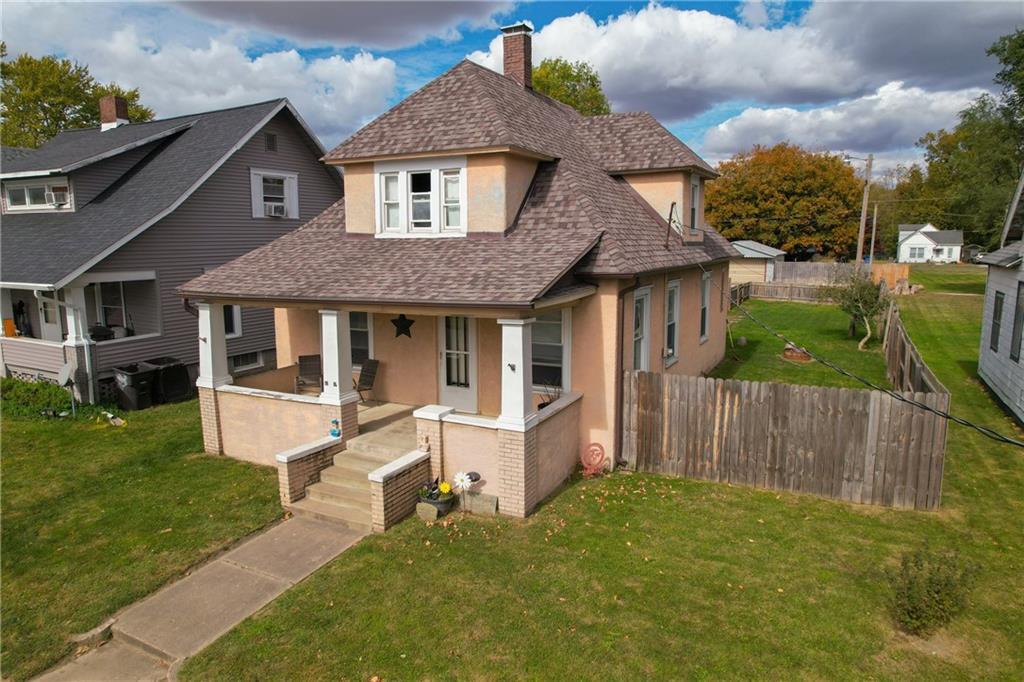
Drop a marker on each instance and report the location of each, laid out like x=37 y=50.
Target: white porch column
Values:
x=74 y=315
x=6 y=308
x=213 y=350
x=517 y=410
x=336 y=355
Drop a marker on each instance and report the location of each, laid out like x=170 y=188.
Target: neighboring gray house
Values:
x=999 y=356
x=756 y=262
x=101 y=225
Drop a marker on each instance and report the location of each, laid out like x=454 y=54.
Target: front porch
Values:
x=459 y=393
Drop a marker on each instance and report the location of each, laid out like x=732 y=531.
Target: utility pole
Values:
x=864 y=211
x=874 y=227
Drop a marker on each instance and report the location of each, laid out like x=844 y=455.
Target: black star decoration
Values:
x=403 y=325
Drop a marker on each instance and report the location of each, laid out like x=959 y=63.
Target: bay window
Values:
x=421 y=198
x=671 y=322
x=551 y=346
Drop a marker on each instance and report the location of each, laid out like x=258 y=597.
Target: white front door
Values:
x=49 y=319
x=458 y=362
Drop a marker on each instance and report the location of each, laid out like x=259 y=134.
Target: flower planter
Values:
x=443 y=505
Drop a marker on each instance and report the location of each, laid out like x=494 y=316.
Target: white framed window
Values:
x=232 y=321
x=694 y=202
x=37 y=194
x=275 y=194
x=391 y=211
x=642 y=329
x=552 y=349
x=997 y=322
x=421 y=198
x=360 y=331
x=672 y=322
x=705 y=298
x=247 y=361
x=917 y=252
x=110 y=304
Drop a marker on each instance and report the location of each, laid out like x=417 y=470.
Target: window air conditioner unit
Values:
x=274 y=210
x=57 y=198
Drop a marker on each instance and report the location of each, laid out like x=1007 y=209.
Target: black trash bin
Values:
x=170 y=380
x=134 y=386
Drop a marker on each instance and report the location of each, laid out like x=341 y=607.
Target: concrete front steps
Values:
x=343 y=493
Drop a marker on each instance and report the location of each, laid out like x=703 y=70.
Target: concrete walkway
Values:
x=152 y=637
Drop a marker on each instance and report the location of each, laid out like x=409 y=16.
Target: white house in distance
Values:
x=999 y=361
x=756 y=262
x=928 y=244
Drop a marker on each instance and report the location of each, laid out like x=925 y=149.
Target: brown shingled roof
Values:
x=575 y=217
x=636 y=141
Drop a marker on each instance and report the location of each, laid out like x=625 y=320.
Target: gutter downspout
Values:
x=619 y=329
x=81 y=334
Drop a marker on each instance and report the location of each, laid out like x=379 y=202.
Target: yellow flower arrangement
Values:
x=444 y=487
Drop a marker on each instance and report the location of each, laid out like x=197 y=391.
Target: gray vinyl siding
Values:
x=211 y=227
x=1004 y=376
x=89 y=182
x=31 y=357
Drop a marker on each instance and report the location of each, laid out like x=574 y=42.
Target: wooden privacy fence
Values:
x=785 y=291
x=828 y=273
x=846 y=444
x=904 y=367
x=738 y=293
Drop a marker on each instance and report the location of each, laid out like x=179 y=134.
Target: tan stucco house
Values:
x=537 y=255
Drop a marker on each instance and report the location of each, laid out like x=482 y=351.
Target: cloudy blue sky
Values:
x=841 y=76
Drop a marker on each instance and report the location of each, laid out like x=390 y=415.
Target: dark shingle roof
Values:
x=1006 y=257
x=75 y=148
x=44 y=248
x=946 y=237
x=636 y=141
x=12 y=155
x=576 y=216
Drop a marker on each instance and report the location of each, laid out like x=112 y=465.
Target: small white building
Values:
x=928 y=244
x=756 y=262
x=999 y=355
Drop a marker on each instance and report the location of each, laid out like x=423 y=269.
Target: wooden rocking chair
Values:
x=311 y=374
x=367 y=375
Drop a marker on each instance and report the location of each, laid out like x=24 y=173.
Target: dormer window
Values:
x=423 y=198
x=37 y=195
x=694 y=203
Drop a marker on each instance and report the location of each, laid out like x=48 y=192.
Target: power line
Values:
x=983 y=430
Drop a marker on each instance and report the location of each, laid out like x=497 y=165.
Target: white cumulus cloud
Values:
x=892 y=117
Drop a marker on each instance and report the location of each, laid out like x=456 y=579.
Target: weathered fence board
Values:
x=847 y=444
x=785 y=291
x=905 y=368
x=829 y=273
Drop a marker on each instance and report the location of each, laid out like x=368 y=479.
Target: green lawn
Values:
x=819 y=327
x=95 y=517
x=643 y=576
x=952 y=278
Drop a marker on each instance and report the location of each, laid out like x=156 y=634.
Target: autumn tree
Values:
x=42 y=96
x=574 y=83
x=787 y=197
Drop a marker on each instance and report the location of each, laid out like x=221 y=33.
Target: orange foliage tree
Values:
x=787 y=197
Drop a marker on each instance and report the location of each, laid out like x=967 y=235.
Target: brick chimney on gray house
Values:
x=516 y=45
x=113 y=112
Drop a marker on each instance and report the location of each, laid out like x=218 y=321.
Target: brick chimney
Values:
x=517 y=46
x=113 y=112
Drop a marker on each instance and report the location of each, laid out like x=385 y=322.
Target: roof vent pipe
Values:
x=518 y=53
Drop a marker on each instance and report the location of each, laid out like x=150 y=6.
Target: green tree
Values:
x=861 y=299
x=574 y=83
x=787 y=197
x=44 y=95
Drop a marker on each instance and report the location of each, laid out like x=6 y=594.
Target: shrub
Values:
x=31 y=398
x=930 y=589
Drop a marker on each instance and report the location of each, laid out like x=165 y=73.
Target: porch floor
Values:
x=386 y=427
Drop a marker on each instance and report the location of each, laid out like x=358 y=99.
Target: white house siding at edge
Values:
x=211 y=227
x=1003 y=375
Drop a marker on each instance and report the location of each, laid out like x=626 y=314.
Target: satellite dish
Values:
x=65 y=374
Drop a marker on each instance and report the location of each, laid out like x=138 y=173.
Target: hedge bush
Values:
x=930 y=589
x=36 y=398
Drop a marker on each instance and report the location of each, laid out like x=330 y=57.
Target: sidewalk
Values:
x=151 y=638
